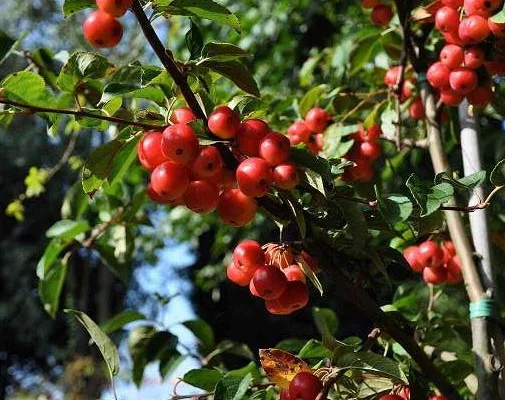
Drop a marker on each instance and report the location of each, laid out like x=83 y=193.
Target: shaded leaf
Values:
x=203 y=378
x=120 y=320
x=202 y=331
x=236 y=72
x=497 y=176
x=51 y=286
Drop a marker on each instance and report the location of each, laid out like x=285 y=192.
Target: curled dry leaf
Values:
x=281 y=366
x=426 y=14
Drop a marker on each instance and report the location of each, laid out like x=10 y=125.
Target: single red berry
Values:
x=159 y=199
x=411 y=254
x=235 y=208
x=392 y=75
x=116 y=8
x=481 y=96
x=406 y=90
x=170 y=180
x=249 y=136
x=102 y=30
x=269 y=282
x=361 y=172
x=182 y=115
x=416 y=110
x=474 y=57
x=435 y=276
x=430 y=254
x=207 y=164
x=286 y=176
x=370 y=3
x=447 y=19
x=483 y=8
x=463 y=80
x=452 y=56
x=201 y=196
x=254 y=177
x=237 y=275
x=249 y=255
x=224 y=122
x=315 y=144
x=450 y=97
x=382 y=15
x=369 y=150
x=295 y=296
x=496 y=28
x=149 y=150
x=453 y=3
x=317 y=120
x=304 y=386
x=294 y=273
x=474 y=29
x=438 y=75
x=275 y=148
x=253 y=289
x=180 y=144
x=299 y=132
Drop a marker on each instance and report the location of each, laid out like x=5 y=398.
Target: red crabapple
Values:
x=275 y=148
x=416 y=110
x=304 y=386
x=237 y=275
x=249 y=255
x=102 y=29
x=430 y=254
x=249 y=135
x=370 y=3
x=224 y=122
x=116 y=8
x=369 y=150
x=481 y=96
x=299 y=132
x=474 y=29
x=295 y=296
x=201 y=196
x=208 y=163
x=483 y=8
x=294 y=273
x=438 y=75
x=392 y=75
x=382 y=15
x=269 y=282
x=463 y=80
x=180 y=144
x=286 y=176
x=317 y=119
x=452 y=56
x=447 y=19
x=411 y=254
x=182 y=115
x=149 y=150
x=453 y=3
x=450 y=97
x=235 y=208
x=435 y=276
x=474 y=57
x=170 y=180
x=254 y=177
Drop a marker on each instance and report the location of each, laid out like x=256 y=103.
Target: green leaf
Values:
x=72 y=6
x=297 y=211
x=314 y=349
x=50 y=255
x=202 y=331
x=81 y=66
x=169 y=363
x=206 y=9
x=67 y=229
x=304 y=158
x=232 y=388
x=103 y=342
x=119 y=320
x=194 y=41
x=236 y=72
x=327 y=324
x=469 y=182
x=497 y=176
x=394 y=207
x=6 y=44
x=311 y=98
x=123 y=161
x=160 y=343
x=51 y=286
x=430 y=199
x=223 y=52
x=25 y=86
x=203 y=378
x=499 y=17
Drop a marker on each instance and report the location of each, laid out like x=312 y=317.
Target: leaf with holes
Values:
x=281 y=366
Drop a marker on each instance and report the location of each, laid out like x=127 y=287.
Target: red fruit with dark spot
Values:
x=317 y=120
x=182 y=115
x=269 y=282
x=382 y=15
x=275 y=308
x=235 y=208
x=159 y=199
x=304 y=386
x=116 y=8
x=286 y=176
x=170 y=180
x=249 y=136
x=224 y=122
x=180 y=144
x=483 y=8
x=481 y=96
x=295 y=296
x=463 y=80
x=447 y=19
x=438 y=75
x=249 y=255
x=102 y=30
x=275 y=148
x=208 y=163
x=254 y=177
x=411 y=254
x=430 y=254
x=299 y=132
x=473 y=29
x=201 y=196
x=315 y=144
x=452 y=56
x=416 y=110
x=149 y=150
x=237 y=275
x=474 y=57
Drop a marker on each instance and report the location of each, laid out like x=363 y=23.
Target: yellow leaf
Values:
x=281 y=366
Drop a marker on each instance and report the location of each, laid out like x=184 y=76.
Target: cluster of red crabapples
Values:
x=272 y=273
x=462 y=70
x=304 y=386
x=381 y=13
x=183 y=172
x=101 y=28
x=437 y=263
x=309 y=131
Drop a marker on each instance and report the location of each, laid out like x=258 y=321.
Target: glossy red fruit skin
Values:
x=235 y=208
x=453 y=38
x=225 y=179
x=249 y=255
x=371 y=134
x=286 y=176
x=463 y=80
x=447 y=19
x=438 y=75
x=294 y=273
x=317 y=119
x=116 y=8
x=382 y=15
x=269 y=282
x=450 y=97
x=496 y=28
x=149 y=150
x=481 y=96
x=207 y=164
x=182 y=115
x=249 y=135
x=201 y=196
x=453 y=268
x=295 y=296
x=254 y=177
x=157 y=198
x=361 y=172
x=416 y=110
x=474 y=57
x=237 y=275
x=453 y=3
x=315 y=144
x=392 y=75
x=170 y=180
x=180 y=144
x=304 y=386
x=369 y=150
x=452 y=56
x=449 y=250
x=430 y=254
x=391 y=397
x=102 y=30
x=483 y=8
x=411 y=254
x=275 y=148
x=224 y=122
x=370 y=3
x=299 y=132
x=474 y=29
x=274 y=308
x=252 y=289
